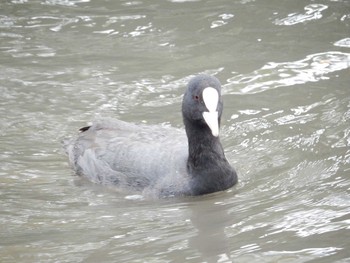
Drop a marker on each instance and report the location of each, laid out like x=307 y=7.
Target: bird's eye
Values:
x=196 y=97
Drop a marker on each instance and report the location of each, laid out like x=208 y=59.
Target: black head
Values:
x=202 y=103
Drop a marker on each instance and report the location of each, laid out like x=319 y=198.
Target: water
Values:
x=284 y=66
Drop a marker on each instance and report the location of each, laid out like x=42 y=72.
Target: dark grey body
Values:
x=156 y=160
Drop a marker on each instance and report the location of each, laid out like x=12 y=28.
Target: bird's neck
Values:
x=204 y=148
x=207 y=166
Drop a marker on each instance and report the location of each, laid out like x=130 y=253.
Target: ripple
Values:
x=223 y=21
x=7 y=21
x=345 y=42
x=292 y=119
x=64 y=22
x=302 y=255
x=65 y=2
x=273 y=75
x=183 y=1
x=312 y=12
x=19 y=49
x=309 y=222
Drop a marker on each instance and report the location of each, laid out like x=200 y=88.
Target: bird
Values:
x=158 y=160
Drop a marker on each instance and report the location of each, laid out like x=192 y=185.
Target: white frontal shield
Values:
x=211 y=100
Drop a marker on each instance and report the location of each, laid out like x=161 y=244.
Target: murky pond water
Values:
x=284 y=66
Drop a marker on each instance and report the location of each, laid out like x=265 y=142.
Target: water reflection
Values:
x=210 y=242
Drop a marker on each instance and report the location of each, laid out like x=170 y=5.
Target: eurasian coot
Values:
x=157 y=160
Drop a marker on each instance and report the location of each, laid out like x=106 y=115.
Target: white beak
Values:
x=211 y=100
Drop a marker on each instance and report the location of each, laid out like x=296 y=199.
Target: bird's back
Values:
x=147 y=158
